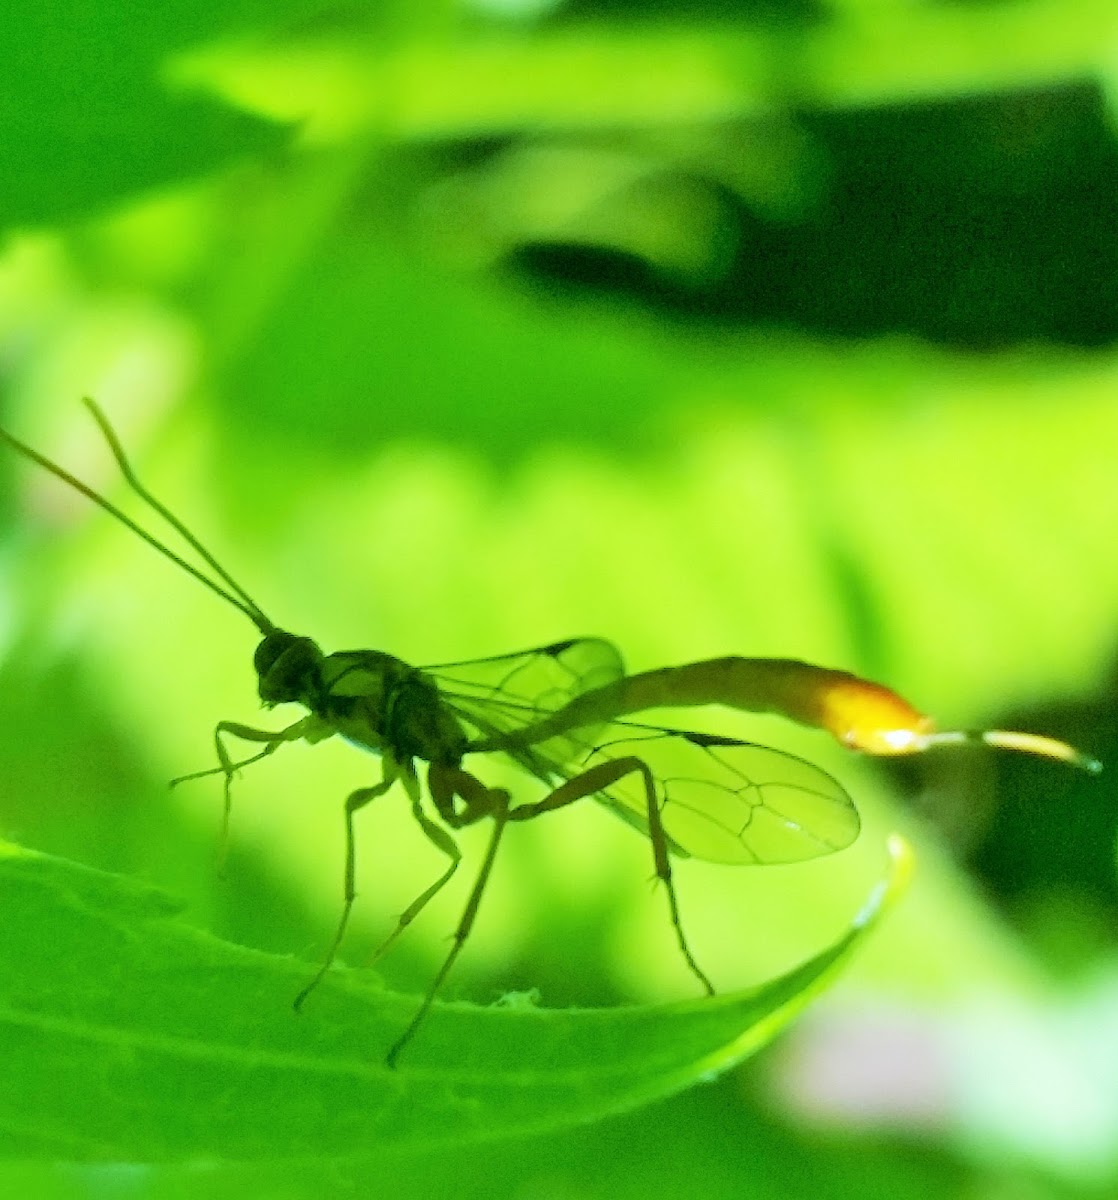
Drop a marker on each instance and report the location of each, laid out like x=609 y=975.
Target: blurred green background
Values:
x=774 y=328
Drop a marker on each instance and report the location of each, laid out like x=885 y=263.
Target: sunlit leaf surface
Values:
x=162 y=1043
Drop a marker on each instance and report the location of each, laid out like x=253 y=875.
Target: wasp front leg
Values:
x=272 y=740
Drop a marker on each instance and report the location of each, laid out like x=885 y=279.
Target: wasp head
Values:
x=289 y=668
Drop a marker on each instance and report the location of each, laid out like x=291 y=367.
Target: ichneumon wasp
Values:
x=556 y=711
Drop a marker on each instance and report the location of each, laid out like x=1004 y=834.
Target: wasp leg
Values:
x=500 y=820
x=441 y=840
x=494 y=802
x=227 y=767
x=597 y=779
x=354 y=803
x=450 y=783
x=445 y=783
x=241 y=762
x=247 y=734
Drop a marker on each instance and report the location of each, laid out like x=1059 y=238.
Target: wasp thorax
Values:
x=288 y=667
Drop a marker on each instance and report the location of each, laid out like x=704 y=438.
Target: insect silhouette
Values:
x=556 y=711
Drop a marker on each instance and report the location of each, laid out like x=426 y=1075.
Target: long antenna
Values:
x=237 y=596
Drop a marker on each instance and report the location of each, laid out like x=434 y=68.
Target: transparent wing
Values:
x=720 y=799
x=729 y=801
x=500 y=695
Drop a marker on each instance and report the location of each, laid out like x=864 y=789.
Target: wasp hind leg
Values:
x=597 y=779
x=500 y=812
x=441 y=840
x=481 y=801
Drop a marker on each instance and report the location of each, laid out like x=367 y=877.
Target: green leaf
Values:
x=128 y=1035
x=84 y=115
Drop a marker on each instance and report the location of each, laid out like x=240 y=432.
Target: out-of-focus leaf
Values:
x=84 y=116
x=363 y=346
x=650 y=72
